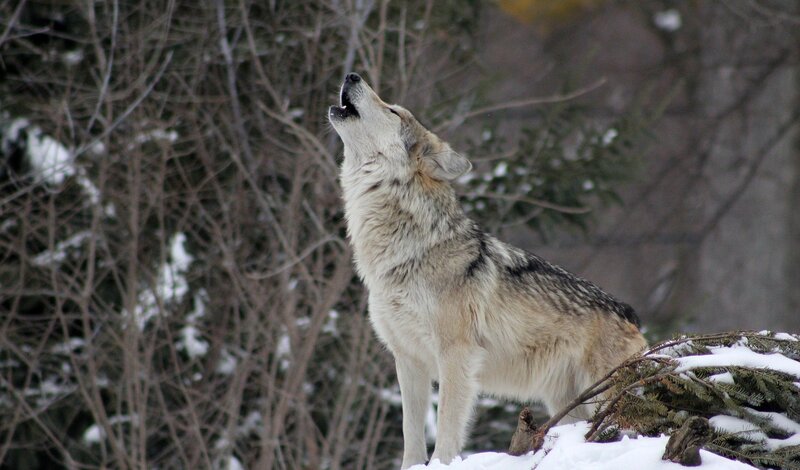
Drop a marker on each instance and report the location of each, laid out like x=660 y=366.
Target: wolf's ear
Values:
x=445 y=164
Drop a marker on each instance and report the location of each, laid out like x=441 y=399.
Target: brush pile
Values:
x=746 y=384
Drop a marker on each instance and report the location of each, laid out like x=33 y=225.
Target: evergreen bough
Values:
x=753 y=406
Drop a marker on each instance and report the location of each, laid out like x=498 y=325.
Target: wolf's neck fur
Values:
x=394 y=214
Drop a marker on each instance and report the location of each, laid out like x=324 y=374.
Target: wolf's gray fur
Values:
x=452 y=303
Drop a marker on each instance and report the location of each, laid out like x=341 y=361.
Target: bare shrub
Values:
x=182 y=295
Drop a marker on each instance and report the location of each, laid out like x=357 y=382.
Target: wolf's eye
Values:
x=393 y=112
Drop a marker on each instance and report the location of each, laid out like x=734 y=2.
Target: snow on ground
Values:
x=565 y=448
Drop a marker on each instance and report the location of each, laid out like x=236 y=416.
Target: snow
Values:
x=739 y=356
x=251 y=423
x=284 y=347
x=609 y=136
x=668 y=20
x=11 y=133
x=330 y=325
x=283 y=351
x=723 y=378
x=68 y=346
x=775 y=444
x=741 y=427
x=59 y=253
x=94 y=433
x=192 y=343
x=89 y=188
x=678 y=349
x=234 y=464
x=501 y=170
x=156 y=134
x=172 y=285
x=783 y=423
x=226 y=364
x=751 y=432
x=785 y=337
x=391 y=396
x=181 y=259
x=73 y=57
x=466 y=178
x=565 y=448
x=191 y=340
x=295 y=113
x=98 y=148
x=49 y=158
x=777 y=420
x=482 y=461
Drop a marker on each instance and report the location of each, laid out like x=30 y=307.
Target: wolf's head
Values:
x=390 y=135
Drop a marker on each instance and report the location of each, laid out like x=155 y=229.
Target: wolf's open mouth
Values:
x=344 y=100
x=346 y=107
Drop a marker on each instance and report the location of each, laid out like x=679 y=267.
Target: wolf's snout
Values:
x=347 y=96
x=351 y=80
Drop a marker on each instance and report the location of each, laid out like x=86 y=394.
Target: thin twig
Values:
x=458 y=120
x=532 y=201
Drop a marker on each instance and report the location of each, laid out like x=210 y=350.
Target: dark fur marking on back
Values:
x=532 y=264
x=567 y=291
x=480 y=259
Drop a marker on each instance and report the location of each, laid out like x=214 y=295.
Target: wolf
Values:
x=452 y=303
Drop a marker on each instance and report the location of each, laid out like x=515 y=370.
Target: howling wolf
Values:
x=452 y=303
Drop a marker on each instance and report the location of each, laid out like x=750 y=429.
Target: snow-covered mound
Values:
x=565 y=448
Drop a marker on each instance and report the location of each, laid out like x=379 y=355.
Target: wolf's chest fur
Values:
x=402 y=232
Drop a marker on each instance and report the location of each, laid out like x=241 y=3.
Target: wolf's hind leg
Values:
x=458 y=389
x=415 y=391
x=572 y=384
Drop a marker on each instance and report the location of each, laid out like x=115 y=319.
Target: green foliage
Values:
x=565 y=164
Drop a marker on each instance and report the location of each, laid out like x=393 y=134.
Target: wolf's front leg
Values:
x=415 y=391
x=457 y=391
